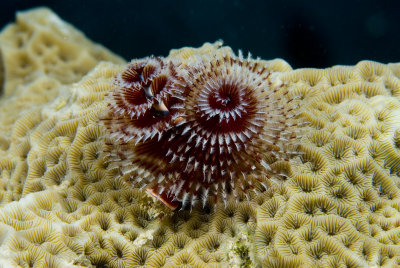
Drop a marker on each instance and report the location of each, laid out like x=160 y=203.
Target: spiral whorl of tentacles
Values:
x=145 y=101
x=190 y=131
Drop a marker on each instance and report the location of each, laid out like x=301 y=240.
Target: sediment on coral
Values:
x=62 y=205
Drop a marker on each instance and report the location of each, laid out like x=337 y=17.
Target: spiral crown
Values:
x=190 y=131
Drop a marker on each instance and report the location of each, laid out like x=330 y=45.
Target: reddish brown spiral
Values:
x=225 y=117
x=144 y=101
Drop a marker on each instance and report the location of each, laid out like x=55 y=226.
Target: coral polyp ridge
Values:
x=210 y=126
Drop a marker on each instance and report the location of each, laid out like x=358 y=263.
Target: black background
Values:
x=304 y=33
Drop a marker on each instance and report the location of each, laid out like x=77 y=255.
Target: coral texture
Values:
x=42 y=50
x=41 y=44
x=62 y=204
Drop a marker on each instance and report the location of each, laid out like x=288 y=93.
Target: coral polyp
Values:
x=225 y=120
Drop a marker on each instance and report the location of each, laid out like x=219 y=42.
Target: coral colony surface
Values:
x=202 y=158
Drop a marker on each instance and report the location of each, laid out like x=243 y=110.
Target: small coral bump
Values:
x=190 y=131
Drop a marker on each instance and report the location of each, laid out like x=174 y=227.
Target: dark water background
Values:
x=304 y=33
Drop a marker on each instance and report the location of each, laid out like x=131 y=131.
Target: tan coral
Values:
x=40 y=43
x=40 y=52
x=337 y=203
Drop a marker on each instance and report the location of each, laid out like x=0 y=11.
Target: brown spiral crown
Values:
x=190 y=131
